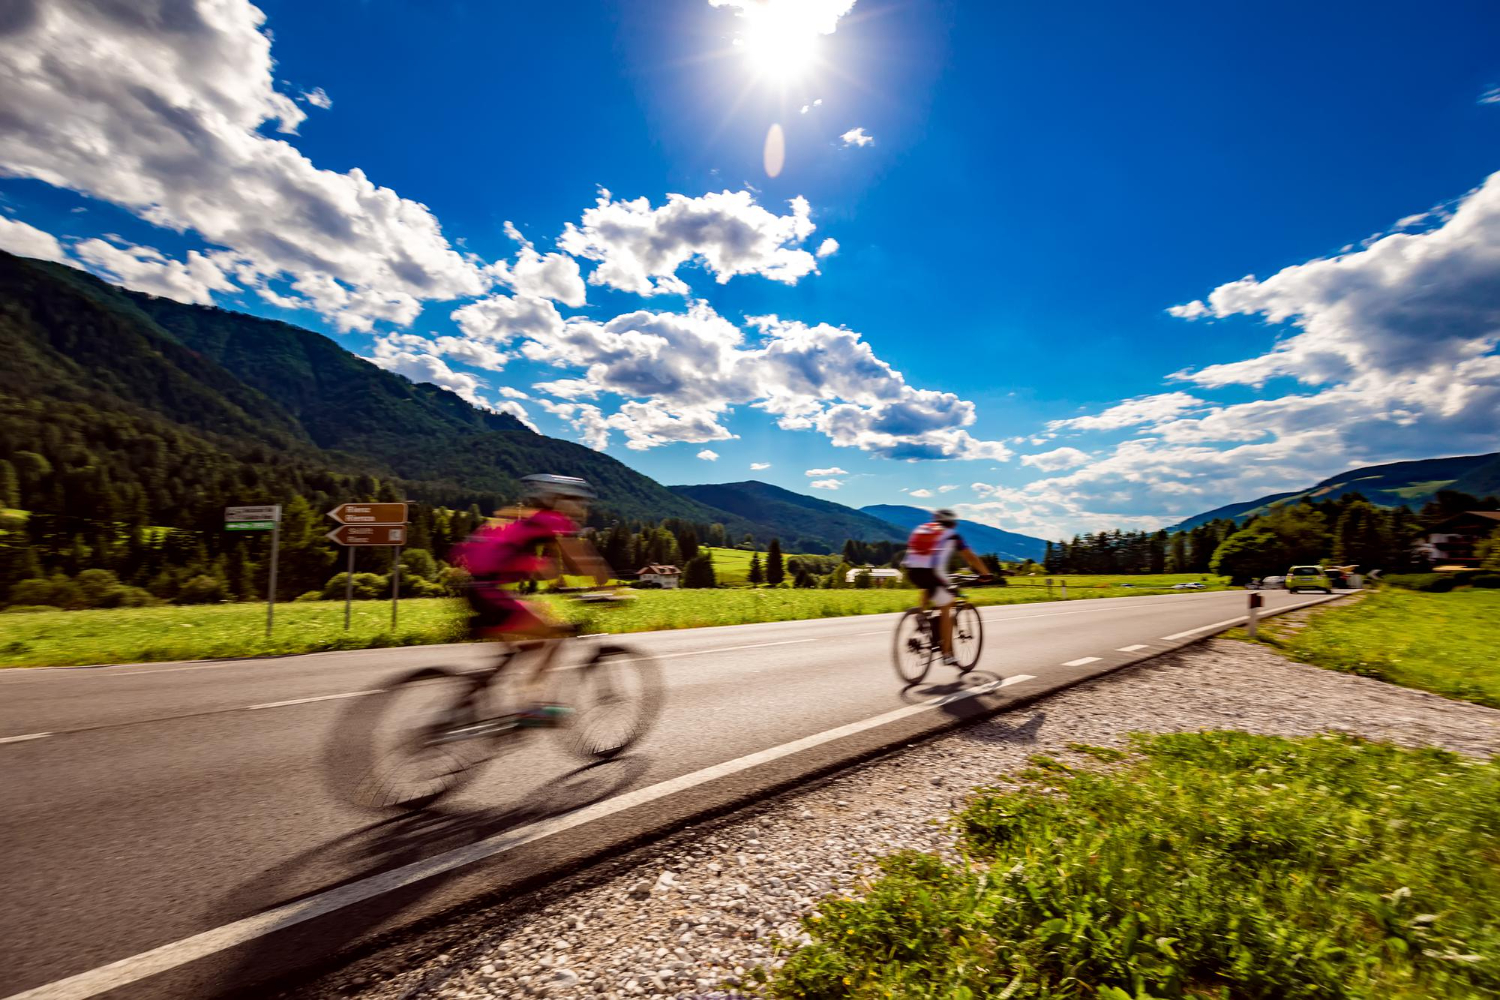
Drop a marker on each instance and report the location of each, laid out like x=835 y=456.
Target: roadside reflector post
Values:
x=1253 y=620
x=1064 y=589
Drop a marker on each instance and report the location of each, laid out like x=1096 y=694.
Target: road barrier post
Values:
x=1064 y=589
x=1253 y=620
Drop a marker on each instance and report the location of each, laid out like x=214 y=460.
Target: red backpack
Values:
x=924 y=540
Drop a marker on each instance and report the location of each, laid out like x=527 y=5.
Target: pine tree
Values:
x=699 y=572
x=10 y=485
x=775 y=568
x=756 y=576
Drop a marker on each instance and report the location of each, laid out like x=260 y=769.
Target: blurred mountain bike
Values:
x=428 y=733
x=919 y=642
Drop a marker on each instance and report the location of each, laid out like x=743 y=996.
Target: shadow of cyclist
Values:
x=975 y=682
x=285 y=957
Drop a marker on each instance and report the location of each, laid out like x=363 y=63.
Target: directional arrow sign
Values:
x=369 y=513
x=369 y=534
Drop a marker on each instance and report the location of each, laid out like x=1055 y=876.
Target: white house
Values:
x=876 y=573
x=656 y=575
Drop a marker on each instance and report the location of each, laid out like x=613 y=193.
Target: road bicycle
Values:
x=919 y=639
x=427 y=734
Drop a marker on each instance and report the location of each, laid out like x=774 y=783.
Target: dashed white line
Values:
x=22 y=739
x=1132 y=649
x=321 y=697
x=1082 y=661
x=178 y=953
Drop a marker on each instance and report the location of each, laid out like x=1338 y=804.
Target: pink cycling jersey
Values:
x=507 y=553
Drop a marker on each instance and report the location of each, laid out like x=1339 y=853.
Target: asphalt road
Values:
x=146 y=804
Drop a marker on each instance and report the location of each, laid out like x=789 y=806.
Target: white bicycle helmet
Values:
x=547 y=488
x=945 y=517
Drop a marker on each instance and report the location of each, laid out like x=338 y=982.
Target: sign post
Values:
x=362 y=524
x=266 y=517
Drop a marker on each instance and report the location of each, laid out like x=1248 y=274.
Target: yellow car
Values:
x=1300 y=578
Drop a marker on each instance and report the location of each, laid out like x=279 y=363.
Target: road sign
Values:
x=249 y=525
x=265 y=512
x=369 y=513
x=369 y=534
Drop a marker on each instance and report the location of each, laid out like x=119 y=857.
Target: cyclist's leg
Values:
x=943 y=598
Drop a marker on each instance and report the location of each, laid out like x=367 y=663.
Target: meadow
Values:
x=176 y=632
x=1195 y=865
x=1443 y=643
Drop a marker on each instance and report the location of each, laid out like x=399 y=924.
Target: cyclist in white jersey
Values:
x=928 y=553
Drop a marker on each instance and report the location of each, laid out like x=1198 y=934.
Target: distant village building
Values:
x=876 y=574
x=656 y=575
x=1450 y=544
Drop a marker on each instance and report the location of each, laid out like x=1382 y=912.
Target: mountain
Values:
x=796 y=519
x=1395 y=484
x=981 y=538
x=162 y=405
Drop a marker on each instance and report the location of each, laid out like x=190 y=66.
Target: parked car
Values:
x=1300 y=578
x=1272 y=582
x=1188 y=586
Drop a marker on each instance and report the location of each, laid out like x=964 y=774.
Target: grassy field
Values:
x=60 y=638
x=1443 y=643
x=1200 y=865
x=732 y=566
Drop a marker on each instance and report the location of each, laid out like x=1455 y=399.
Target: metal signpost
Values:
x=362 y=524
x=266 y=517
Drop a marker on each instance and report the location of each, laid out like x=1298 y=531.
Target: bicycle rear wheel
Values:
x=914 y=646
x=968 y=635
x=426 y=736
x=616 y=696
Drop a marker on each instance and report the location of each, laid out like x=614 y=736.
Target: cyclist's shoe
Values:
x=950 y=661
x=544 y=715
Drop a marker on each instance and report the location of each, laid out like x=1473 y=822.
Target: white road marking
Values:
x=1132 y=649
x=22 y=739
x=190 y=949
x=321 y=697
x=1082 y=661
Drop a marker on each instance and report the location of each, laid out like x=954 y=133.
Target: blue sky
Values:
x=1030 y=190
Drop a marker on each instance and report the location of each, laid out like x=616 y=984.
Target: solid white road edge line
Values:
x=1082 y=661
x=23 y=739
x=1132 y=649
x=189 y=949
x=305 y=701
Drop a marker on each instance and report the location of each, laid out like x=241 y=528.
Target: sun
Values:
x=780 y=41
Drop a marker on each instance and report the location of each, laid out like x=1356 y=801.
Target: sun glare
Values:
x=780 y=41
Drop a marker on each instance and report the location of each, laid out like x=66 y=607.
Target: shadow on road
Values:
x=1005 y=731
x=926 y=691
x=379 y=847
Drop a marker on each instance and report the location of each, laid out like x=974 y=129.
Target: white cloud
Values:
x=1130 y=413
x=857 y=137
x=922 y=494
x=1490 y=96
x=708 y=455
x=1057 y=458
x=501 y=318
x=589 y=421
x=406 y=355
x=640 y=248
x=147 y=269
x=949 y=488
x=815 y=104
x=318 y=98
x=166 y=122
x=510 y=392
x=759 y=466
x=28 y=241
x=826 y=484
x=835 y=471
x=516 y=410
x=540 y=276
x=828 y=247
x=1190 y=310
x=819 y=16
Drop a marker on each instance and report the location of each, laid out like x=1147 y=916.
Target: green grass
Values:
x=137 y=635
x=732 y=566
x=1214 y=864
x=1124 y=583
x=1443 y=643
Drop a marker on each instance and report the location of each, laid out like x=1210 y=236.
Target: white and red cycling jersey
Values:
x=930 y=546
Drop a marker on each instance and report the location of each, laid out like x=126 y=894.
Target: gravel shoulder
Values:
x=695 y=913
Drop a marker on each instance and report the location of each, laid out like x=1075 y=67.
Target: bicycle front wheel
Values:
x=968 y=635
x=914 y=646
x=615 y=695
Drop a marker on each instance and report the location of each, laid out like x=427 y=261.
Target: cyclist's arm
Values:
x=975 y=563
x=579 y=558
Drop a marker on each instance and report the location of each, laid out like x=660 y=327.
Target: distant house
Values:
x=1450 y=544
x=656 y=575
x=876 y=574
